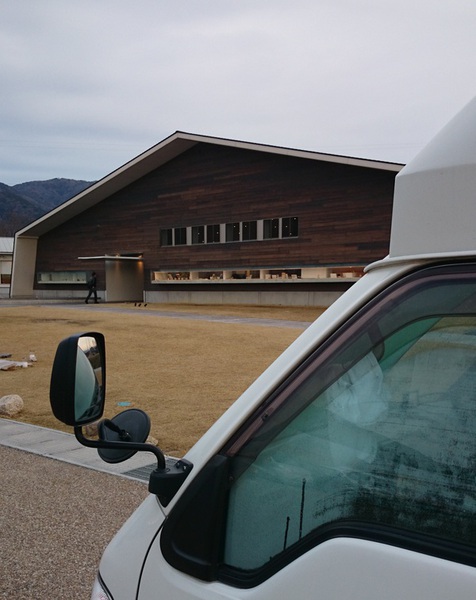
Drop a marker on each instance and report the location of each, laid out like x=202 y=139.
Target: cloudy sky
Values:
x=86 y=85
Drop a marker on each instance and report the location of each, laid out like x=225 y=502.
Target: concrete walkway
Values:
x=63 y=446
x=157 y=312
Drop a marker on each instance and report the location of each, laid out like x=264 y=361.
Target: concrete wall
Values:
x=23 y=270
x=255 y=298
x=66 y=294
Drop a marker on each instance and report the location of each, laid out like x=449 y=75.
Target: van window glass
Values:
x=378 y=427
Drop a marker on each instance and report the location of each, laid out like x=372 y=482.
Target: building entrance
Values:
x=124 y=279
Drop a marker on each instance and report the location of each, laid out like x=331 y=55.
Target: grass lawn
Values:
x=183 y=373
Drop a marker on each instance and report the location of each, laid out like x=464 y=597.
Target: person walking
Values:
x=92 y=283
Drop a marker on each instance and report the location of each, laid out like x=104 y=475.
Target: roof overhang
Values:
x=111 y=257
x=158 y=155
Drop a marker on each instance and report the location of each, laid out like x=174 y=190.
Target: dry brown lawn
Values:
x=183 y=373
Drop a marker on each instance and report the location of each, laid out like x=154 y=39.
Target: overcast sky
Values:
x=86 y=85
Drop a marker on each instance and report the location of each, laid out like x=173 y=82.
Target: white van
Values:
x=348 y=469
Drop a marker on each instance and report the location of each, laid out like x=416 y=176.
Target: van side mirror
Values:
x=78 y=379
x=77 y=397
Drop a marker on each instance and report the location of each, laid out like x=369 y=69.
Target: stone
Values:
x=91 y=430
x=11 y=405
x=152 y=440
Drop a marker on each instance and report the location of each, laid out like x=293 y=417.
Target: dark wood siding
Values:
x=344 y=214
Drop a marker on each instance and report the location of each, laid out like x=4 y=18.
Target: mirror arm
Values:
x=123 y=435
x=78 y=432
x=165 y=483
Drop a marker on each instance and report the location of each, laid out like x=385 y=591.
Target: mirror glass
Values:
x=88 y=388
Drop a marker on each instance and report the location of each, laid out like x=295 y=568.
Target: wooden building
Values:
x=203 y=219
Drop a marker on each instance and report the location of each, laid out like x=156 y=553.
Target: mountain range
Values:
x=25 y=202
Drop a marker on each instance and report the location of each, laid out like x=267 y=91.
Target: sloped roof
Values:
x=161 y=153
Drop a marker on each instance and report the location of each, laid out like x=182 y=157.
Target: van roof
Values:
x=434 y=211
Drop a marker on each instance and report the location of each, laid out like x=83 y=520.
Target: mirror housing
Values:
x=77 y=397
x=78 y=379
x=132 y=425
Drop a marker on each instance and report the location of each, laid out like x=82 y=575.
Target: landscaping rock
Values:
x=152 y=440
x=11 y=405
x=91 y=430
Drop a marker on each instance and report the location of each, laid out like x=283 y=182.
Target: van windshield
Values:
x=377 y=430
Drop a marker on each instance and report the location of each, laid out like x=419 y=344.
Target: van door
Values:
x=356 y=478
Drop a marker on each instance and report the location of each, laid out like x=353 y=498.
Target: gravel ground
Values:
x=55 y=521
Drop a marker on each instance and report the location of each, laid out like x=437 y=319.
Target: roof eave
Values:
x=112 y=183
